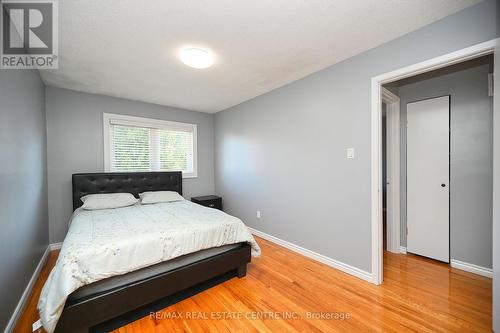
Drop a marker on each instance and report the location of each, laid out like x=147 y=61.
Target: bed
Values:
x=176 y=269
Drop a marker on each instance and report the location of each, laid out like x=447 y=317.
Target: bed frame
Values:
x=116 y=307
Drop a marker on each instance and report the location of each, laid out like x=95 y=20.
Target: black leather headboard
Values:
x=124 y=182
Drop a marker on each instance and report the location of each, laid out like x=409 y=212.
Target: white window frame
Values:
x=108 y=118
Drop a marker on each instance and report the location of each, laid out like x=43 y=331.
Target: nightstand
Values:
x=211 y=201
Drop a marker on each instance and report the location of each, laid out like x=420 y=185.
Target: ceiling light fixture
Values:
x=196 y=57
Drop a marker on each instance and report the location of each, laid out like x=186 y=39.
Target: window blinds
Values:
x=131 y=149
x=145 y=147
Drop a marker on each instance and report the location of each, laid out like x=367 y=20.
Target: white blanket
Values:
x=104 y=243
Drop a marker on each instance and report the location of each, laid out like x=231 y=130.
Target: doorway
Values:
x=445 y=161
x=459 y=56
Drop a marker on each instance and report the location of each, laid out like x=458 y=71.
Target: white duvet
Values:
x=104 y=243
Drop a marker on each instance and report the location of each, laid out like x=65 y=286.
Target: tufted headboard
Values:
x=128 y=182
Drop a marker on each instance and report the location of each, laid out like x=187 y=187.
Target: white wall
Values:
x=75 y=144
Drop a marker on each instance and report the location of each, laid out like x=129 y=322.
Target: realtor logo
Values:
x=29 y=34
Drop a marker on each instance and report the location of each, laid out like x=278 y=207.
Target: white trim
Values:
x=389 y=97
x=393 y=125
x=491 y=85
x=402 y=249
x=55 y=246
x=376 y=184
x=465 y=266
x=376 y=112
x=364 y=275
x=106 y=143
x=111 y=118
x=445 y=60
x=27 y=292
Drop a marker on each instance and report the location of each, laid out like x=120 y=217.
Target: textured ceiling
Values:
x=130 y=49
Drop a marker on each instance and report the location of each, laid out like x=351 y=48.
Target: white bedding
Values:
x=109 y=242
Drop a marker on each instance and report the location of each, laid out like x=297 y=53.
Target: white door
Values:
x=428 y=161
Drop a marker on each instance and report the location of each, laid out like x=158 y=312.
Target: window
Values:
x=142 y=144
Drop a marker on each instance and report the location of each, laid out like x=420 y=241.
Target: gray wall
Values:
x=284 y=152
x=471 y=162
x=23 y=184
x=496 y=195
x=75 y=144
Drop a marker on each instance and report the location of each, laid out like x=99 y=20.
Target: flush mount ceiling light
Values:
x=197 y=57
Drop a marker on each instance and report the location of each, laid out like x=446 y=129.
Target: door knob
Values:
x=443 y=185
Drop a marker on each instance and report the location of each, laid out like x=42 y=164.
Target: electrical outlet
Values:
x=37 y=325
x=258 y=214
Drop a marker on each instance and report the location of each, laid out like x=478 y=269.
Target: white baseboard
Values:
x=316 y=256
x=55 y=246
x=27 y=292
x=465 y=266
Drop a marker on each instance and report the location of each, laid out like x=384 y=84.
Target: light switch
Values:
x=350 y=153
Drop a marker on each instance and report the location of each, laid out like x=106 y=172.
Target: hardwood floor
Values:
x=30 y=313
x=282 y=287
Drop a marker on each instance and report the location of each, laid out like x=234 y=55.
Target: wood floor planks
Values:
x=30 y=313
x=418 y=295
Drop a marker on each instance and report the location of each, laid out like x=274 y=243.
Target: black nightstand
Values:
x=211 y=201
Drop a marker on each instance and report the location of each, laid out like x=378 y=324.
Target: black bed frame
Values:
x=116 y=307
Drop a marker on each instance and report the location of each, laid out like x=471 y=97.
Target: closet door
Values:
x=428 y=165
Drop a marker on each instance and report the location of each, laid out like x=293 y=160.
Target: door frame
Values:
x=393 y=164
x=464 y=54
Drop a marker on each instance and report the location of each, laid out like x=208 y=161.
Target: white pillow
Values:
x=159 y=196
x=108 y=200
